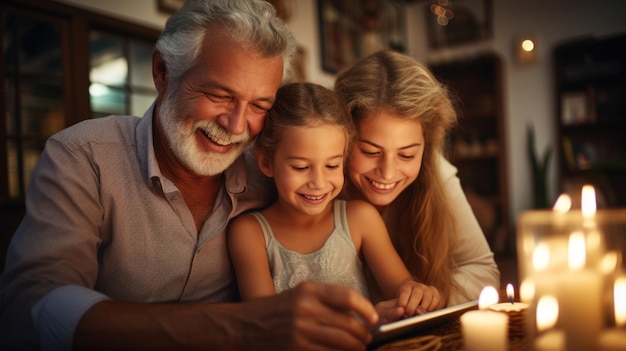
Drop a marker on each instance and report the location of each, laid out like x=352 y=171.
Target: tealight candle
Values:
x=484 y=329
x=515 y=310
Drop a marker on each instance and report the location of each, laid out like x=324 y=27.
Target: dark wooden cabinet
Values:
x=477 y=145
x=590 y=84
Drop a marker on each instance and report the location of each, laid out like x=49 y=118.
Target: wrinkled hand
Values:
x=389 y=311
x=417 y=298
x=312 y=316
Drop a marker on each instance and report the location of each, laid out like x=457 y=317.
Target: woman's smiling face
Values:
x=387 y=156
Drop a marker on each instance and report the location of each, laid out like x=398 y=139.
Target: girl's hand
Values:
x=417 y=298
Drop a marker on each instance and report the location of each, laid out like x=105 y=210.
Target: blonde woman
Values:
x=402 y=114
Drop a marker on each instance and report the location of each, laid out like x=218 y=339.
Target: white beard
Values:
x=180 y=136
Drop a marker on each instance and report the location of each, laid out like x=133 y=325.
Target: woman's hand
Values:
x=417 y=298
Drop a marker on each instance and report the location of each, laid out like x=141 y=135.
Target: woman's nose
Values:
x=387 y=168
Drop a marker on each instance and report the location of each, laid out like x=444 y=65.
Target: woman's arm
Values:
x=246 y=247
x=474 y=266
x=372 y=240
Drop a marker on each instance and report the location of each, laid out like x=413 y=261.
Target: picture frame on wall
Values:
x=350 y=31
x=458 y=22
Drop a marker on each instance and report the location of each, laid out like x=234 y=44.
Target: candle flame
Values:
x=619 y=295
x=510 y=292
x=563 y=203
x=527 y=291
x=547 y=312
x=588 y=201
x=609 y=262
x=488 y=296
x=541 y=257
x=576 y=251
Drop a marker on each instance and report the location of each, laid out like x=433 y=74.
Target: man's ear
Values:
x=159 y=72
x=264 y=164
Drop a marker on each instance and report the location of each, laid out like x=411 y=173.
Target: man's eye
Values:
x=259 y=109
x=219 y=98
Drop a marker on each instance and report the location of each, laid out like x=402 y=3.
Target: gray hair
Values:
x=251 y=23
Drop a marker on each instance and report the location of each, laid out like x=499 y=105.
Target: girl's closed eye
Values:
x=299 y=168
x=406 y=156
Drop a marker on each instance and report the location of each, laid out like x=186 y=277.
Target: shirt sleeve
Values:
x=475 y=266
x=57 y=314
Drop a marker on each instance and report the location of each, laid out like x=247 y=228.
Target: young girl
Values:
x=307 y=234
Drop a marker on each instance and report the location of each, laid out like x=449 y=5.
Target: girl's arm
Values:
x=246 y=246
x=395 y=281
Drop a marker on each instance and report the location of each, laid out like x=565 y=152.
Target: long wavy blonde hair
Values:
x=419 y=220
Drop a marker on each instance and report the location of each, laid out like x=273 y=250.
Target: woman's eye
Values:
x=369 y=153
x=406 y=157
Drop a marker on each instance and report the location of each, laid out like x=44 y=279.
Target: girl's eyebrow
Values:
x=306 y=159
x=380 y=147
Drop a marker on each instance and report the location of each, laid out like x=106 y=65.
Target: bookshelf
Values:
x=590 y=84
x=477 y=146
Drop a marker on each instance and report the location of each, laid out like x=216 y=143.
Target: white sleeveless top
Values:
x=336 y=262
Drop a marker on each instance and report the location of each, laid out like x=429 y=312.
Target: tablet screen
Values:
x=403 y=327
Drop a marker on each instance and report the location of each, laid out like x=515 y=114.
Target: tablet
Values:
x=416 y=324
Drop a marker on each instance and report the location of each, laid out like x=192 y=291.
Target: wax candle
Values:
x=484 y=329
x=580 y=299
x=547 y=314
x=614 y=339
x=516 y=311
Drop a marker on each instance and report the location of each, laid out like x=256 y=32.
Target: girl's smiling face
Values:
x=308 y=167
x=386 y=157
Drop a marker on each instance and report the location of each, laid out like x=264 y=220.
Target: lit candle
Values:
x=515 y=310
x=484 y=329
x=580 y=298
x=547 y=315
x=511 y=305
x=615 y=339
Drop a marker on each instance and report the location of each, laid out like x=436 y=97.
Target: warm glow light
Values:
x=588 y=200
x=609 y=262
x=528 y=45
x=541 y=257
x=488 y=296
x=619 y=295
x=576 y=251
x=547 y=312
x=527 y=291
x=563 y=203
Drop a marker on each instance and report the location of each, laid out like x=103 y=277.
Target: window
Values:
x=61 y=65
x=120 y=75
